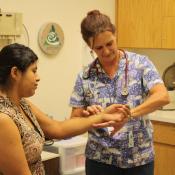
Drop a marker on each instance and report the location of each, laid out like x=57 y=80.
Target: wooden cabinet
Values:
x=164 y=143
x=145 y=23
x=168 y=23
x=168 y=8
x=168 y=34
x=51 y=166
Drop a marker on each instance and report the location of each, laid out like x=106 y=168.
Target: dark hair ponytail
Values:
x=15 y=55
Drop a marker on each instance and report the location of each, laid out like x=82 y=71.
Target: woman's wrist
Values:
x=132 y=115
x=97 y=118
x=101 y=117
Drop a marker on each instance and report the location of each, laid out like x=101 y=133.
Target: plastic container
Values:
x=71 y=153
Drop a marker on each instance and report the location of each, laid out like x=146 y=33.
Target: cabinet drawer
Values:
x=52 y=166
x=164 y=132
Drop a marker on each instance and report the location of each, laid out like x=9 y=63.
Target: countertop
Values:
x=48 y=155
x=163 y=116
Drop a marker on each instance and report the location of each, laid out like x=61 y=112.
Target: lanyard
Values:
x=125 y=88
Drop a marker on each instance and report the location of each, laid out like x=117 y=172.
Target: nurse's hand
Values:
x=116 y=126
x=115 y=121
x=92 y=110
x=121 y=113
x=96 y=109
x=118 y=108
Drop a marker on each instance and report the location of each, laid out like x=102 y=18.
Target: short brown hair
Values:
x=95 y=23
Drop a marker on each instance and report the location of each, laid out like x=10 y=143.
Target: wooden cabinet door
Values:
x=168 y=32
x=164 y=159
x=168 y=8
x=168 y=24
x=138 y=23
x=164 y=144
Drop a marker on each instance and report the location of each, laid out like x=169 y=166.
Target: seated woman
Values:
x=23 y=126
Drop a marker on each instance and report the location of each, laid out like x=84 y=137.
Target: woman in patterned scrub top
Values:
x=23 y=127
x=122 y=77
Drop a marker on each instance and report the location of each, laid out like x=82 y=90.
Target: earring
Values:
x=92 y=54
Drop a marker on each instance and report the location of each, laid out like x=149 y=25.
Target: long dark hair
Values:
x=15 y=55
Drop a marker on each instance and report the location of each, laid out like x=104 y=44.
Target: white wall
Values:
x=58 y=72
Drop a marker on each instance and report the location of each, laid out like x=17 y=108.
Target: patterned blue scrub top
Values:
x=133 y=144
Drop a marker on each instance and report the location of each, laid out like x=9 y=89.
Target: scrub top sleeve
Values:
x=151 y=75
x=77 y=96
